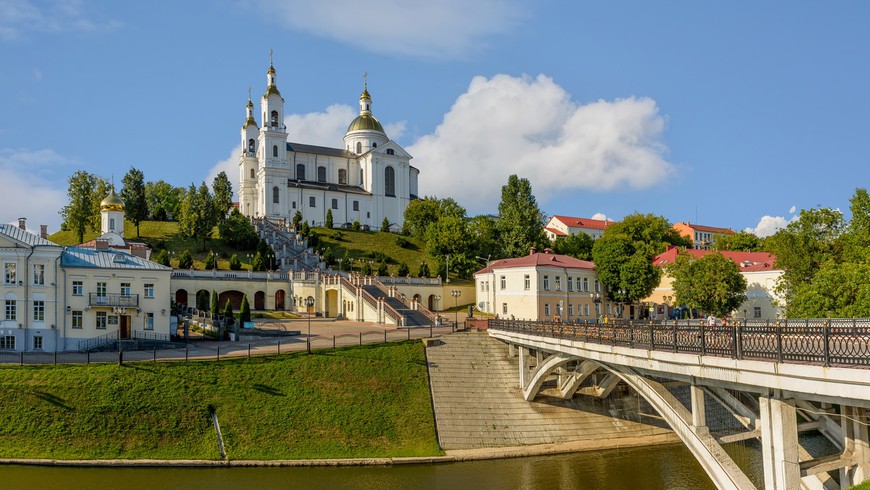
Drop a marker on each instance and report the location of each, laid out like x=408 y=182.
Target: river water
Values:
x=669 y=467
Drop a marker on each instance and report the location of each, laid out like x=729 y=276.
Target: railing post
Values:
x=249 y=350
x=703 y=340
x=409 y=334
x=333 y=341
x=360 y=338
x=186 y=353
x=652 y=336
x=120 y=357
x=827 y=338
x=218 y=352
x=21 y=359
x=279 y=347
x=778 y=343
x=675 y=334
x=631 y=334
x=385 y=335
x=88 y=358
x=735 y=341
x=155 y=354
x=55 y=355
x=430 y=330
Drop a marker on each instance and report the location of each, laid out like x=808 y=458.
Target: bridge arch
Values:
x=234 y=297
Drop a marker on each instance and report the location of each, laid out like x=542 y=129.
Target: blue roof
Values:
x=106 y=259
x=25 y=237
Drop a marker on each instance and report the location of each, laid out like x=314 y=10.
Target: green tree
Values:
x=423 y=271
x=161 y=257
x=77 y=214
x=101 y=189
x=214 y=302
x=743 y=241
x=202 y=300
x=235 y=263
x=419 y=214
x=185 y=260
x=244 y=310
x=328 y=257
x=838 y=290
x=382 y=269
x=238 y=232
x=258 y=264
x=329 y=218
x=197 y=214
x=228 y=312
x=712 y=284
x=385 y=225
x=484 y=236
x=403 y=270
x=210 y=261
x=306 y=230
x=578 y=246
x=163 y=200
x=297 y=220
x=366 y=269
x=521 y=222
x=223 y=196
x=133 y=195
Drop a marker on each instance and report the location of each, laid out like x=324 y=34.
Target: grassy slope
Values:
x=369 y=401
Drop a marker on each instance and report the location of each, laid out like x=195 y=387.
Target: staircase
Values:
x=413 y=318
x=291 y=253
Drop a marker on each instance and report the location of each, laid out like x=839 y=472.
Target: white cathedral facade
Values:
x=370 y=179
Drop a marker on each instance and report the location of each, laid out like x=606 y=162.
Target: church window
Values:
x=391 y=151
x=294 y=205
x=358 y=147
x=335 y=204
x=251 y=144
x=275 y=194
x=111 y=224
x=275 y=151
x=312 y=202
x=252 y=173
x=390 y=182
x=300 y=172
x=374 y=145
x=342 y=176
x=321 y=174
x=274 y=119
x=356 y=205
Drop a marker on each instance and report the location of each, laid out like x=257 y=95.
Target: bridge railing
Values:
x=837 y=342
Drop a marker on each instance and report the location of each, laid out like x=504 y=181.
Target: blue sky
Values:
x=733 y=114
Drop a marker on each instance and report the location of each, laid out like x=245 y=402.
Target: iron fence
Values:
x=830 y=342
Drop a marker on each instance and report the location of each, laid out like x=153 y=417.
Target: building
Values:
x=112 y=215
x=702 y=237
x=758 y=268
x=568 y=225
x=367 y=180
x=541 y=286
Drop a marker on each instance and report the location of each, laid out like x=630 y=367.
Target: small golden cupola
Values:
x=112 y=202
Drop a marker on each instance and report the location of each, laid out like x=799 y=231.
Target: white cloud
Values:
x=530 y=127
x=230 y=165
x=20 y=16
x=600 y=216
x=792 y=209
x=769 y=225
x=441 y=29
x=30 y=187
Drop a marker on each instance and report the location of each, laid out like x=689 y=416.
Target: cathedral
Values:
x=370 y=179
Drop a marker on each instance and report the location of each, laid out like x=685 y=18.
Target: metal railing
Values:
x=830 y=342
x=93 y=343
x=113 y=299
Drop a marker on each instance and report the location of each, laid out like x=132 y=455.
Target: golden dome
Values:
x=365 y=95
x=112 y=202
x=271 y=69
x=250 y=121
x=272 y=89
x=365 y=121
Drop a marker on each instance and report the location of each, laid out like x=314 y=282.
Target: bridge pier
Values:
x=699 y=413
x=779 y=443
x=856 y=442
x=524 y=366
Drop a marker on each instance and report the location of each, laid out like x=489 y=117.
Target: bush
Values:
x=385 y=225
x=162 y=258
x=210 y=261
x=244 y=310
x=185 y=260
x=403 y=270
x=258 y=264
x=238 y=232
x=214 y=302
x=328 y=256
x=306 y=230
x=366 y=269
x=423 y=271
x=329 y=218
x=338 y=236
x=403 y=243
x=235 y=263
x=355 y=226
x=297 y=220
x=382 y=269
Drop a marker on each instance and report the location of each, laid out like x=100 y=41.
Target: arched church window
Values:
x=321 y=174
x=300 y=172
x=274 y=119
x=252 y=174
x=390 y=182
x=342 y=176
x=251 y=145
x=374 y=145
x=390 y=151
x=358 y=147
x=275 y=195
x=275 y=151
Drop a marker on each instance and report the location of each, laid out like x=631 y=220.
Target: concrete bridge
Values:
x=777 y=380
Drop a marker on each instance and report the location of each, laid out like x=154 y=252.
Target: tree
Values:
x=382 y=269
x=133 y=195
x=328 y=257
x=238 y=232
x=235 y=263
x=484 y=236
x=521 y=222
x=403 y=270
x=258 y=264
x=163 y=200
x=419 y=214
x=366 y=269
x=712 y=284
x=306 y=230
x=385 y=225
x=423 y=271
x=185 y=260
x=101 y=189
x=202 y=300
x=329 y=218
x=578 y=246
x=77 y=214
x=244 y=311
x=161 y=257
x=297 y=220
x=223 y=196
x=228 y=312
x=836 y=290
x=210 y=261
x=197 y=213
x=214 y=302
x=743 y=241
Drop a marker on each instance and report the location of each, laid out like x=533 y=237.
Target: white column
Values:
x=856 y=439
x=524 y=365
x=779 y=443
x=699 y=418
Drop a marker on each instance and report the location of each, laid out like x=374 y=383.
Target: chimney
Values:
x=548 y=250
x=21 y=223
x=533 y=251
x=101 y=244
x=43 y=231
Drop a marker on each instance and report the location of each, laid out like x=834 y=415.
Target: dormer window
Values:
x=390 y=151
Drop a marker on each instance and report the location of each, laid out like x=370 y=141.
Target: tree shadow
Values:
x=269 y=390
x=54 y=400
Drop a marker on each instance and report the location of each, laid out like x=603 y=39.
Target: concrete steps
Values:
x=478 y=402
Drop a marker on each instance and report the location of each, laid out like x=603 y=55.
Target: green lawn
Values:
x=363 y=245
x=369 y=401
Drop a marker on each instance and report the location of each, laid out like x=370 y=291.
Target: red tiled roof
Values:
x=707 y=229
x=746 y=261
x=589 y=223
x=556 y=232
x=539 y=260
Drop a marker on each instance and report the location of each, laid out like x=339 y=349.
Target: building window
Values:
x=390 y=182
x=358 y=147
x=570 y=283
x=570 y=310
x=9 y=273
x=293 y=205
x=78 y=288
x=251 y=145
x=7 y=342
x=527 y=283
x=274 y=119
x=37 y=342
x=11 y=305
x=101 y=320
x=756 y=312
x=504 y=308
x=481 y=286
x=252 y=173
x=38 y=311
x=598 y=309
x=101 y=289
x=125 y=289
x=374 y=145
x=312 y=202
x=335 y=204
x=342 y=176
x=558 y=283
x=390 y=151
x=559 y=310
x=39 y=274
x=300 y=172
x=321 y=174
x=111 y=224
x=597 y=286
x=586 y=307
x=149 y=321
x=546 y=283
x=502 y=283
x=77 y=319
x=149 y=290
x=586 y=284
x=356 y=205
x=547 y=309
x=276 y=195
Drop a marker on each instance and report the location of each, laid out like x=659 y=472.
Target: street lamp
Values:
x=309 y=302
x=340 y=268
x=456 y=294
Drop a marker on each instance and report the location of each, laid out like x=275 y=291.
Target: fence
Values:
x=831 y=342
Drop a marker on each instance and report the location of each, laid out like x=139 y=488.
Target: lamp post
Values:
x=309 y=302
x=340 y=268
x=456 y=294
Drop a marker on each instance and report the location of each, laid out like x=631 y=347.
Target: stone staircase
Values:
x=478 y=402
x=413 y=318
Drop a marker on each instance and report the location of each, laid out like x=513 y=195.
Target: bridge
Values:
x=776 y=379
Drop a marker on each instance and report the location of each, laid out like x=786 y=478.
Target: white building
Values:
x=370 y=179
x=562 y=226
